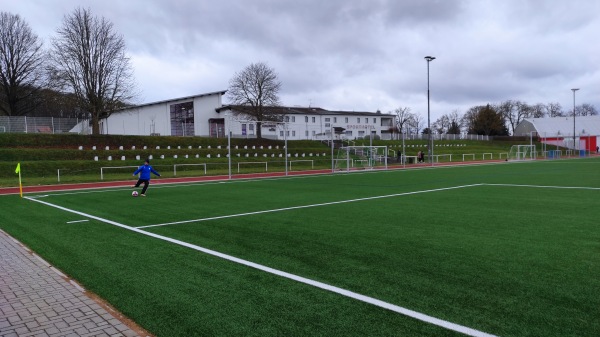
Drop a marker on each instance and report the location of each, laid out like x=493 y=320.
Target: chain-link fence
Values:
x=24 y=124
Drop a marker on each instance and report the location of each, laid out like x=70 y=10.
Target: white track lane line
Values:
x=309 y=206
x=404 y=311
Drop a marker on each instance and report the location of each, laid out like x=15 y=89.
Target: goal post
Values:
x=522 y=152
x=361 y=158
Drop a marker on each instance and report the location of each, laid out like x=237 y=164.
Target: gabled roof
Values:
x=286 y=110
x=552 y=126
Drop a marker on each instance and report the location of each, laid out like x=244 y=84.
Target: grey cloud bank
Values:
x=356 y=55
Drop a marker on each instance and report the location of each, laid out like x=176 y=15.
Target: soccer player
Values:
x=144 y=172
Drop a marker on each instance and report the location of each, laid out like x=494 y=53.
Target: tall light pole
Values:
x=574 y=147
x=430 y=146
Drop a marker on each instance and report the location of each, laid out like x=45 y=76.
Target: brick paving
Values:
x=38 y=300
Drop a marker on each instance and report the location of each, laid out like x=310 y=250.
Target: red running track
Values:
x=157 y=181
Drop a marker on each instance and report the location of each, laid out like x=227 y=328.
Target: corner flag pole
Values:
x=18 y=170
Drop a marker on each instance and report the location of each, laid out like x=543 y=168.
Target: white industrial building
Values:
x=581 y=133
x=204 y=115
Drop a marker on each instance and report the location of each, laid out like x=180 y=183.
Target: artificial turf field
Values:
x=508 y=249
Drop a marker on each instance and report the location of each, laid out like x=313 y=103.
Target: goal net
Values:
x=361 y=157
x=522 y=152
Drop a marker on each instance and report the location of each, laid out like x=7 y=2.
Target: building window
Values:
x=358 y=120
x=293 y=119
x=335 y=119
x=348 y=133
x=327 y=125
x=314 y=133
x=182 y=119
x=306 y=133
x=361 y=133
x=287 y=118
x=345 y=119
x=306 y=119
x=374 y=120
x=280 y=133
x=327 y=119
x=314 y=119
x=293 y=133
x=251 y=127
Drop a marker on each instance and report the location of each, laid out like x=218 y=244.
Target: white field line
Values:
x=404 y=311
x=308 y=206
x=77 y=221
x=544 y=186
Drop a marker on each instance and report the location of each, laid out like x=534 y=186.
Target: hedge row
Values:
x=14 y=140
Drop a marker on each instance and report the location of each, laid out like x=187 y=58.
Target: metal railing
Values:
x=24 y=124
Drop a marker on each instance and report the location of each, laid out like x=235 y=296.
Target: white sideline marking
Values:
x=404 y=311
x=309 y=206
x=543 y=186
x=76 y=221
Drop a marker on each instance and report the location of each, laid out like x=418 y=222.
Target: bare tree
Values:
x=467 y=121
x=441 y=125
x=586 y=110
x=254 y=90
x=513 y=112
x=537 y=111
x=403 y=119
x=454 y=118
x=554 y=110
x=88 y=60
x=21 y=66
x=416 y=122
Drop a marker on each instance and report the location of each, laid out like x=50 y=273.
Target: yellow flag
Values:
x=18 y=168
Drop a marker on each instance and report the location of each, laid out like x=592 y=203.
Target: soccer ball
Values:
x=134 y=194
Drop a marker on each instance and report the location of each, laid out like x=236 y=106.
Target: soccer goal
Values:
x=522 y=152
x=361 y=158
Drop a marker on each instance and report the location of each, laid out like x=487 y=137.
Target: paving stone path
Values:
x=36 y=299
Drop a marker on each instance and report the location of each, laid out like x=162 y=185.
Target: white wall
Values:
x=139 y=121
x=156 y=118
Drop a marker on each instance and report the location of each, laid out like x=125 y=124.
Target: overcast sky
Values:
x=355 y=55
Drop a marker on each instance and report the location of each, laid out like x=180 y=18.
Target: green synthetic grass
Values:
x=504 y=259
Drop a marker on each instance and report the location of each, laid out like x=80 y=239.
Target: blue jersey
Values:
x=144 y=172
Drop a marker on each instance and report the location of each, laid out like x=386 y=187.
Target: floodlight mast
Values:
x=430 y=142
x=574 y=147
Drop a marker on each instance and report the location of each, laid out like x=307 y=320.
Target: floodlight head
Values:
x=575 y=89
x=429 y=58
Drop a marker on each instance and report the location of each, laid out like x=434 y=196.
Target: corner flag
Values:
x=18 y=171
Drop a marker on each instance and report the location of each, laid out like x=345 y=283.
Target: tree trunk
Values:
x=95 y=124
x=259 y=130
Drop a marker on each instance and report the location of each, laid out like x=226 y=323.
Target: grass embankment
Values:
x=69 y=158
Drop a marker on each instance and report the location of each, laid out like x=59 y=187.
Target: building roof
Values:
x=287 y=110
x=563 y=126
x=222 y=92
